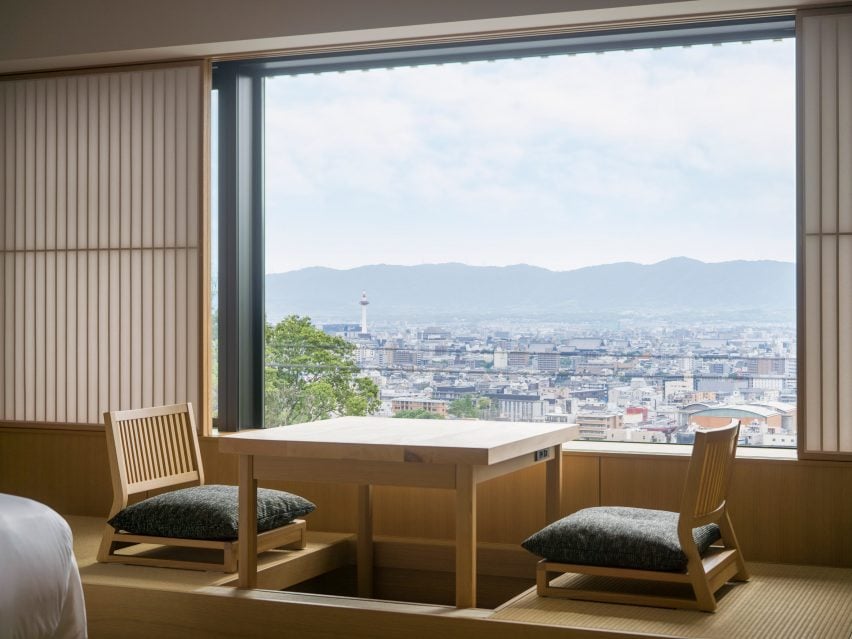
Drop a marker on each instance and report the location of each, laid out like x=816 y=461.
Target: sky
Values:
x=559 y=162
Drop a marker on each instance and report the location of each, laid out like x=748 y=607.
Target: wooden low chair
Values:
x=152 y=449
x=703 y=503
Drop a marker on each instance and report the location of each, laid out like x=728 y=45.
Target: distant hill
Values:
x=678 y=286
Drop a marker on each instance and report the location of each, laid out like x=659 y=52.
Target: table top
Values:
x=401 y=440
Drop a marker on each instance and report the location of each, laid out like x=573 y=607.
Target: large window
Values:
x=597 y=229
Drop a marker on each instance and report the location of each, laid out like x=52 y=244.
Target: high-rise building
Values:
x=364 y=303
x=501 y=358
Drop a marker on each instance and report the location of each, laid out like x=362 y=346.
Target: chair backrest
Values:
x=706 y=489
x=151 y=448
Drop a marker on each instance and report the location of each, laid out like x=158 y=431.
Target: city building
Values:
x=501 y=358
x=763 y=417
x=559 y=418
x=548 y=362
x=450 y=393
x=678 y=387
x=595 y=425
x=518 y=359
x=518 y=408
x=415 y=403
x=342 y=330
x=635 y=435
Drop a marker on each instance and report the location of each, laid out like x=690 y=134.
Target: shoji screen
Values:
x=100 y=182
x=825 y=112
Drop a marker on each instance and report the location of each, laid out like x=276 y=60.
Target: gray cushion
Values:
x=207 y=512
x=620 y=537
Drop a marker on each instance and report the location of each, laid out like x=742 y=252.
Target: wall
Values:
x=101 y=235
x=784 y=511
x=53 y=34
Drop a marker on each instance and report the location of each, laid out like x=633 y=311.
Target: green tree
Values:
x=464 y=407
x=311 y=375
x=418 y=413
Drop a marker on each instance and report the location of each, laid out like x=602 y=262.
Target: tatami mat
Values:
x=780 y=601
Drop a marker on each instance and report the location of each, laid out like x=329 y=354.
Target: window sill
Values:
x=51 y=426
x=617 y=449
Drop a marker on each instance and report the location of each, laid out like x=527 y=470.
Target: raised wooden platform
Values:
x=138 y=601
x=277 y=569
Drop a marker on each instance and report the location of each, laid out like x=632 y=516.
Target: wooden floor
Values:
x=137 y=601
x=779 y=601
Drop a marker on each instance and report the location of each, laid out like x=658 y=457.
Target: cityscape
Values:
x=625 y=380
x=575 y=252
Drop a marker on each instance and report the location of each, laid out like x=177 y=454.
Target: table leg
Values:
x=365 y=541
x=553 y=491
x=248 y=523
x=465 y=537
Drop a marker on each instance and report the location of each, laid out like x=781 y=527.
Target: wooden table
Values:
x=370 y=451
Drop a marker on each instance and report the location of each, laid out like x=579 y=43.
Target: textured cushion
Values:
x=620 y=537
x=207 y=512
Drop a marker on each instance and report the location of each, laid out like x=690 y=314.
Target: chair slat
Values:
x=169 y=444
x=136 y=427
x=158 y=448
x=186 y=449
x=132 y=450
x=180 y=448
x=713 y=478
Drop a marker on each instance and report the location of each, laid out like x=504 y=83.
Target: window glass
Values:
x=606 y=239
x=214 y=253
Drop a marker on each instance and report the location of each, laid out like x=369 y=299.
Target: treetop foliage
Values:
x=311 y=375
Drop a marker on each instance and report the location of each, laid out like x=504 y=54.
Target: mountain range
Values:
x=761 y=289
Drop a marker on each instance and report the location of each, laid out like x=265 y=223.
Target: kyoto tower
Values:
x=364 y=303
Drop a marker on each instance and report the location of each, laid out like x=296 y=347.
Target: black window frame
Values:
x=240 y=93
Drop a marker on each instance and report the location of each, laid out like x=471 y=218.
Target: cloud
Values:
x=559 y=161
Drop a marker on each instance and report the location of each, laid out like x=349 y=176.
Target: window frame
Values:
x=240 y=90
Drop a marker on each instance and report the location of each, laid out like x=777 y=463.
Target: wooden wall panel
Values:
x=100 y=237
x=580 y=482
x=67 y=470
x=793 y=513
x=783 y=511
x=630 y=480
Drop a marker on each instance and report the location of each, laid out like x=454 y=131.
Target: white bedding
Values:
x=40 y=590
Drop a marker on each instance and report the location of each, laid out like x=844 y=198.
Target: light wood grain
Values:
x=402 y=440
x=485 y=473
x=248 y=523
x=356 y=471
x=465 y=537
x=785 y=511
x=365 y=541
x=704 y=502
x=553 y=487
x=152 y=449
x=349 y=449
x=143 y=613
